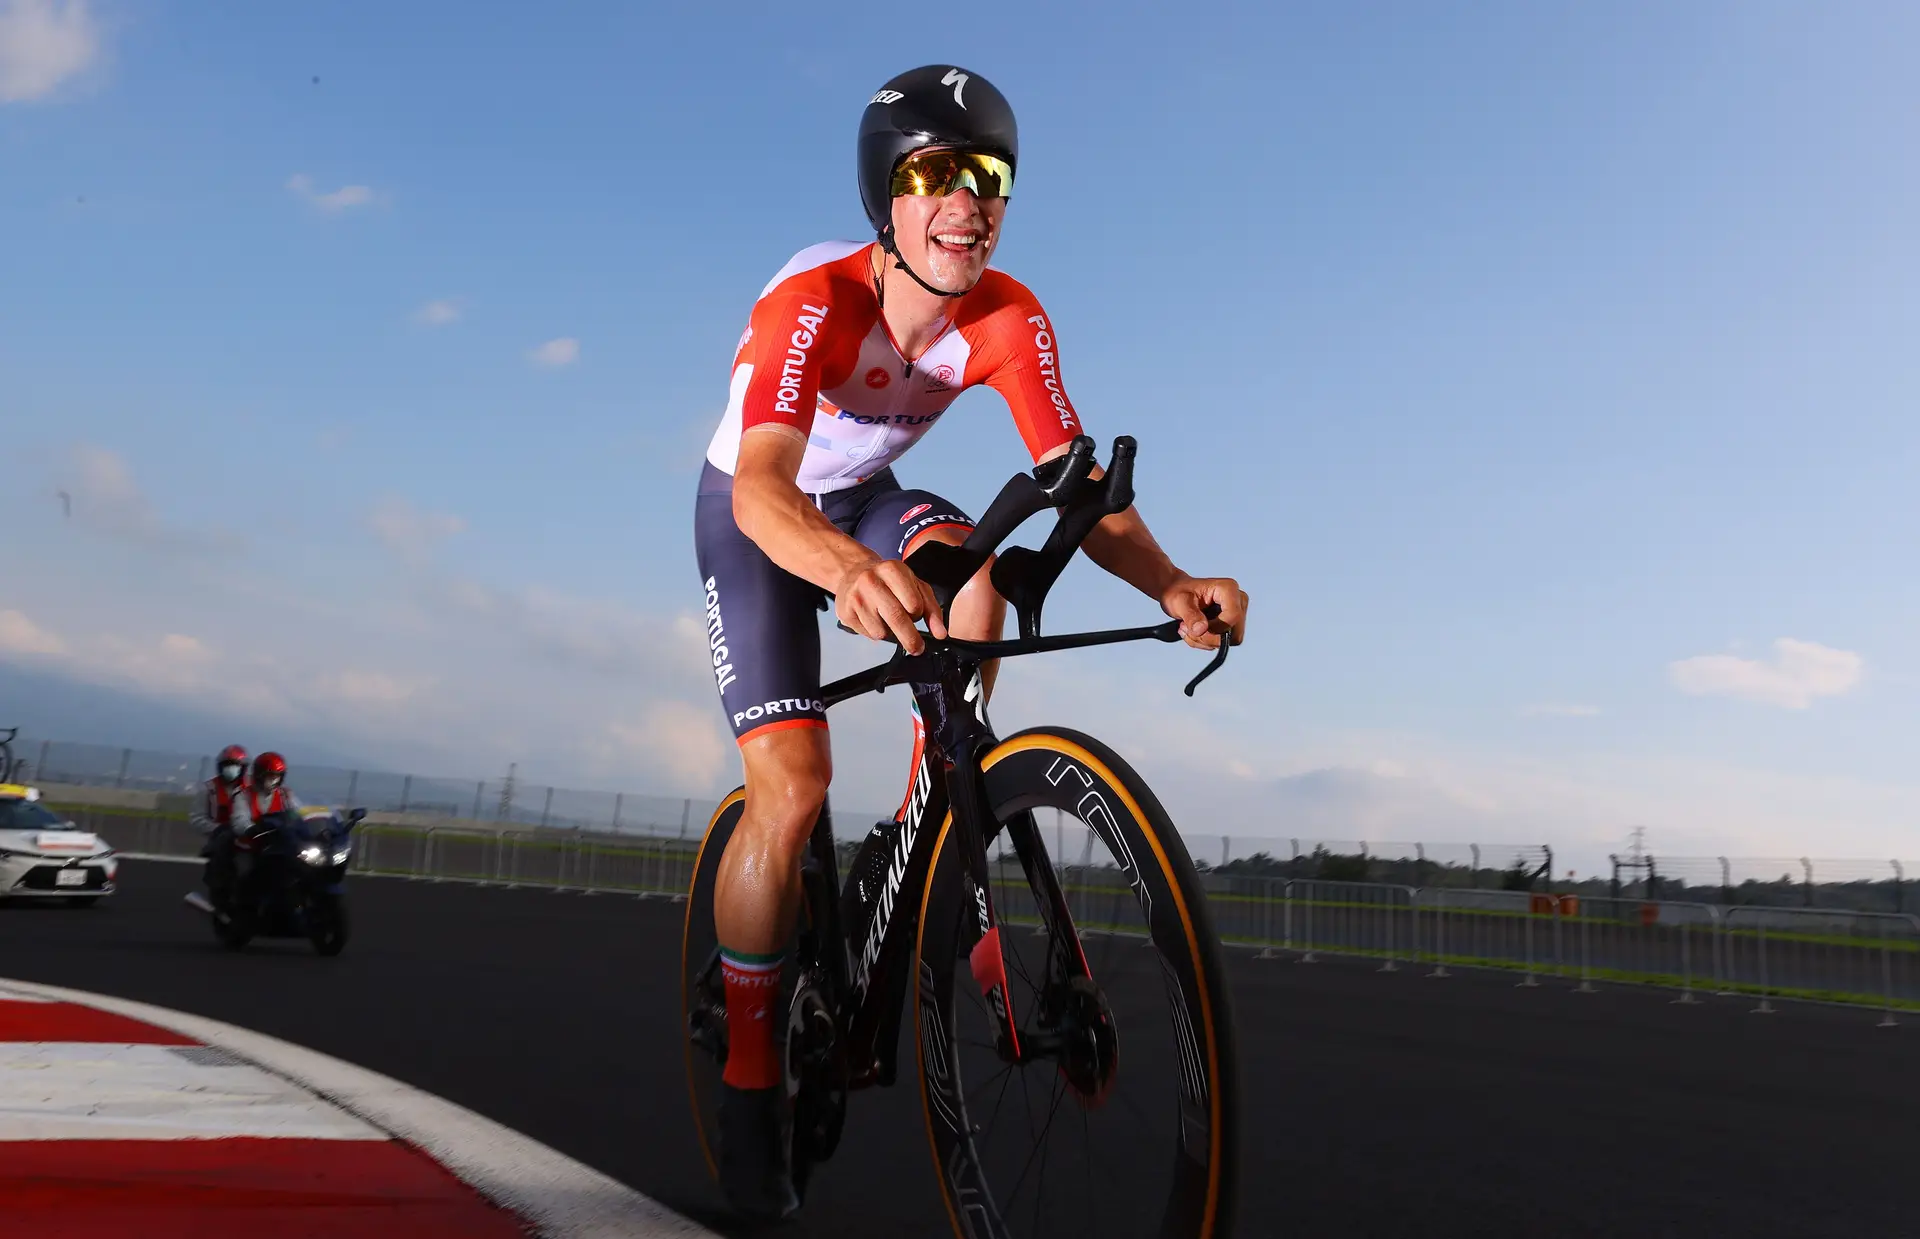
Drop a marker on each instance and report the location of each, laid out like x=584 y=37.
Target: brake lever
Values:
x=1220 y=656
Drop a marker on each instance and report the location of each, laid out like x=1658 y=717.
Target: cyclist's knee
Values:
x=787 y=776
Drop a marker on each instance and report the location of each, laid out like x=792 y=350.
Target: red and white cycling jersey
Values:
x=817 y=356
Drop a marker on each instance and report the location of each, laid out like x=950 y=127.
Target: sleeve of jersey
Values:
x=1027 y=376
x=788 y=350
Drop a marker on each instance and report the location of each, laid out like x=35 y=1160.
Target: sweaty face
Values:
x=947 y=241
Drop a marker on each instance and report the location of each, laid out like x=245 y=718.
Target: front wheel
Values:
x=1121 y=1116
x=327 y=924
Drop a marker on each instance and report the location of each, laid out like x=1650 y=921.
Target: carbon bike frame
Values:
x=866 y=990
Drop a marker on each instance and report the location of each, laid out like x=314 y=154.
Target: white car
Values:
x=44 y=856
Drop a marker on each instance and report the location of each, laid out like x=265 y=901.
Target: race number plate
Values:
x=70 y=877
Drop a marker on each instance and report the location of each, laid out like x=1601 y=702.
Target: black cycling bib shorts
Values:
x=763 y=624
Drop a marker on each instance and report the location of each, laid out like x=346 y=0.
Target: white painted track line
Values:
x=91 y=1090
x=560 y=1197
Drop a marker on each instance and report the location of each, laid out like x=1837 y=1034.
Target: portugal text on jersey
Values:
x=816 y=356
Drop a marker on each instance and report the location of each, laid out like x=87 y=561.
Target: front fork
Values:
x=1066 y=959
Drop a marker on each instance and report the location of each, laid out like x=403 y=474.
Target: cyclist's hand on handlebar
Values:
x=883 y=599
x=1187 y=601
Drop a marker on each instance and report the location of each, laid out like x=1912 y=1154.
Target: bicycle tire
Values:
x=1066 y=770
x=698 y=943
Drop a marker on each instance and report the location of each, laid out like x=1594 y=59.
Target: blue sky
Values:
x=1537 y=369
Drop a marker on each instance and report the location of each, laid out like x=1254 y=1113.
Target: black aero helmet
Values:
x=934 y=105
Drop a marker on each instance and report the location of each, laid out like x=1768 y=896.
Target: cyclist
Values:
x=212 y=815
x=852 y=352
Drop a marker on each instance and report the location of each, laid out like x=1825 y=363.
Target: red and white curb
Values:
x=118 y=1118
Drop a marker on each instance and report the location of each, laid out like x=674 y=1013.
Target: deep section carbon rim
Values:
x=1120 y=1118
x=702 y=999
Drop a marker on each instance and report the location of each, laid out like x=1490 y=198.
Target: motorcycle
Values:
x=289 y=881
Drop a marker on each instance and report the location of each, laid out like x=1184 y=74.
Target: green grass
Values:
x=1570 y=972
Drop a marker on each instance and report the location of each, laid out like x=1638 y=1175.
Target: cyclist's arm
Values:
x=872 y=595
x=1124 y=546
x=779 y=517
x=1023 y=359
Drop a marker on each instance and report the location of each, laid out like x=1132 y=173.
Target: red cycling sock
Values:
x=753 y=983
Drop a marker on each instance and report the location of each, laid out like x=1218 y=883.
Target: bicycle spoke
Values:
x=1040 y=1180
x=1005 y=1080
x=1000 y=1075
x=1086 y=1133
x=1040 y=1143
x=1132 y=1105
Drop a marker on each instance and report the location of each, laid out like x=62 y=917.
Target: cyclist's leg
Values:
x=763 y=630
x=757 y=890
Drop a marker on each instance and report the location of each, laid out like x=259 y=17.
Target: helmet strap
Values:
x=887 y=245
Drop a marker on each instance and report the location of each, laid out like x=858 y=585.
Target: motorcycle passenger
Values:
x=212 y=816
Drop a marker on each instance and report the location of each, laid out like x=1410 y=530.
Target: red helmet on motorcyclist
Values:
x=231 y=765
x=269 y=771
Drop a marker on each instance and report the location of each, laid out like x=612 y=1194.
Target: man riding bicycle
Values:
x=851 y=354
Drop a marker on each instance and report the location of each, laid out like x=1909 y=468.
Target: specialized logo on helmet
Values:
x=887 y=96
x=958 y=81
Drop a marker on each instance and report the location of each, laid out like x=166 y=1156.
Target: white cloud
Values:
x=438 y=313
x=330 y=200
x=1800 y=671
x=43 y=43
x=561 y=352
x=410 y=532
x=107 y=499
x=365 y=688
x=1559 y=711
x=170 y=664
x=104 y=489
x=691 y=739
x=592 y=634
x=21 y=636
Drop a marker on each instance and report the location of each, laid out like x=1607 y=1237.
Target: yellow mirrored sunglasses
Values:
x=937 y=173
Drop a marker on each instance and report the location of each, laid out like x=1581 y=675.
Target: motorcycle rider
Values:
x=212 y=815
x=266 y=793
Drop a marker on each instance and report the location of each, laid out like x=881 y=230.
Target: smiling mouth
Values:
x=957 y=241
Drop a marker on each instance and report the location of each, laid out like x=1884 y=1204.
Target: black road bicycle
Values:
x=1073 y=1029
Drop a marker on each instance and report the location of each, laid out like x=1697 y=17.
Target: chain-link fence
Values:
x=1769 y=954
x=506 y=803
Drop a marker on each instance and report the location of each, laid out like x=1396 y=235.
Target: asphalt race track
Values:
x=1382 y=1105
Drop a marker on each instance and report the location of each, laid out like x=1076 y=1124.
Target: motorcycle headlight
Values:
x=312 y=854
x=340 y=857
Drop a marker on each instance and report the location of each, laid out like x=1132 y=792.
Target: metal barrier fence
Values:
x=1770 y=954
x=512 y=803
x=1862 y=959
x=555 y=860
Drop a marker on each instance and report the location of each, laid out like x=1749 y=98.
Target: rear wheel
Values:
x=703 y=995
x=1121 y=1117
